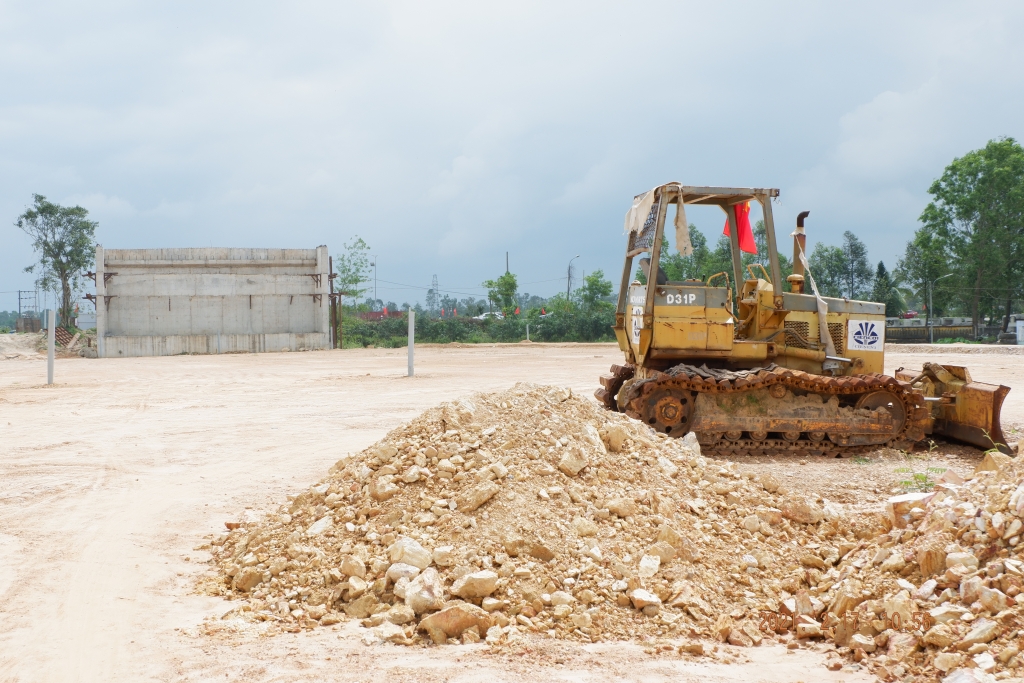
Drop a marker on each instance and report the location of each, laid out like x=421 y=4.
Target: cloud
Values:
x=100 y=205
x=448 y=133
x=893 y=135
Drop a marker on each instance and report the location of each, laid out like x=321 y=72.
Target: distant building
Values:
x=160 y=302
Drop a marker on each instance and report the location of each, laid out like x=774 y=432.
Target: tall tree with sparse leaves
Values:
x=353 y=268
x=857 y=275
x=64 y=238
x=828 y=267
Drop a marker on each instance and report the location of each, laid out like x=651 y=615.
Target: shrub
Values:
x=561 y=326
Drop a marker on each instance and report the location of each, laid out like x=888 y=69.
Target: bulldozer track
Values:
x=689 y=381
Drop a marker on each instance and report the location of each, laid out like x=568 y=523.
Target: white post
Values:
x=412 y=337
x=50 y=339
x=527 y=331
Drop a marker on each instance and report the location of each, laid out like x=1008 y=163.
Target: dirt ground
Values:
x=32 y=346
x=111 y=477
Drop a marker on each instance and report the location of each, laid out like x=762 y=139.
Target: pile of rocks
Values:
x=534 y=510
x=936 y=594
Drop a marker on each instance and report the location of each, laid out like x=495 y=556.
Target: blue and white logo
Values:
x=865 y=335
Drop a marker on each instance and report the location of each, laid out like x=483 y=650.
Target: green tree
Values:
x=705 y=262
x=857 y=275
x=502 y=292
x=353 y=268
x=884 y=292
x=925 y=260
x=64 y=238
x=762 y=256
x=828 y=266
x=595 y=291
x=719 y=260
x=677 y=267
x=977 y=211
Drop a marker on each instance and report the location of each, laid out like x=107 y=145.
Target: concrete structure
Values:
x=161 y=302
x=28 y=324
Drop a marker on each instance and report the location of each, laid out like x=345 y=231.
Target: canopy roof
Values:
x=717 y=196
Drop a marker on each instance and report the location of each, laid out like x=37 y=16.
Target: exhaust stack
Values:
x=796 y=280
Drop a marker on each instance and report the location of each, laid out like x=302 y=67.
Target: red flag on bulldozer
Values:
x=742 y=214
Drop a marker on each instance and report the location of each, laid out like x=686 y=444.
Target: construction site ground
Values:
x=112 y=476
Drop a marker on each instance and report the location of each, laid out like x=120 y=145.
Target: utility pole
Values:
x=928 y=320
x=506 y=263
x=374 y=264
x=568 y=278
x=434 y=305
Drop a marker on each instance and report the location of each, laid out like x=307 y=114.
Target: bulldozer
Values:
x=753 y=367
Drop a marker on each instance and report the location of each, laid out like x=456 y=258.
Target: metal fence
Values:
x=920 y=335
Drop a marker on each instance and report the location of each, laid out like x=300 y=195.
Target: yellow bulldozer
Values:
x=761 y=370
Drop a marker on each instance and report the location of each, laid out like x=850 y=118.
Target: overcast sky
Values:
x=446 y=134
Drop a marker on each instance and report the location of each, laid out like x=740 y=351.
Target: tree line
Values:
x=967 y=249
x=838 y=271
x=967 y=252
x=585 y=314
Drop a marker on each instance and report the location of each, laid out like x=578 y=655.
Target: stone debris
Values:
x=536 y=511
x=950 y=563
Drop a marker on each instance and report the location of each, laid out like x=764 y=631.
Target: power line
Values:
x=456 y=291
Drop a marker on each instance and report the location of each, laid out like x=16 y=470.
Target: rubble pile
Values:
x=536 y=511
x=936 y=595
x=533 y=510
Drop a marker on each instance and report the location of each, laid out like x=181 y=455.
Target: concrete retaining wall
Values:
x=155 y=302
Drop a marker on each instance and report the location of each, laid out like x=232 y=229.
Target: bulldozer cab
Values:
x=692 y=315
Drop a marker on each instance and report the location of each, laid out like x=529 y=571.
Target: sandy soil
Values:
x=22 y=346
x=31 y=346
x=111 y=477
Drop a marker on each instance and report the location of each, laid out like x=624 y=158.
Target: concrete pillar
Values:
x=323 y=310
x=412 y=339
x=51 y=324
x=101 y=305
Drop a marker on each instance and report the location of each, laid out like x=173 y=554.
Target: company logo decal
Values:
x=865 y=335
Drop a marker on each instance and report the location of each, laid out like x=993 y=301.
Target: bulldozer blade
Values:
x=974 y=417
